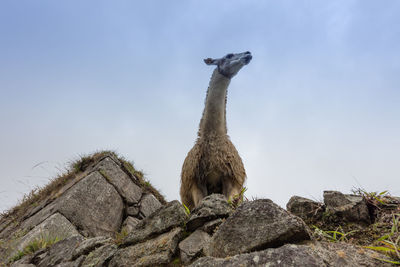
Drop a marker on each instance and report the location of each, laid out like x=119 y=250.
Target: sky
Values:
x=316 y=109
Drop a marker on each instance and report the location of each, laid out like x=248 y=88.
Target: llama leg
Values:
x=198 y=193
x=230 y=189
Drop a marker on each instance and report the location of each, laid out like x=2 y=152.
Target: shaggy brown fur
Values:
x=213 y=165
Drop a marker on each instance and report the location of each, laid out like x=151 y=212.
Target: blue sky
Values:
x=316 y=109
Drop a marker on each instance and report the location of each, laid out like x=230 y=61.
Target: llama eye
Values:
x=229 y=55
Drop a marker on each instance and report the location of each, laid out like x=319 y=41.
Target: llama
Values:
x=213 y=165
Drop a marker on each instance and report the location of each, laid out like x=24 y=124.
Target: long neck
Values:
x=213 y=121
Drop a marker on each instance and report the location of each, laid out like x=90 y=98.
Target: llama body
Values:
x=213 y=165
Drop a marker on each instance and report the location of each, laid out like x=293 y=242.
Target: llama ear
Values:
x=210 y=61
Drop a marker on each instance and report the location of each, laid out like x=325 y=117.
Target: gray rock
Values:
x=121 y=181
x=154 y=252
x=305 y=208
x=149 y=204
x=257 y=225
x=192 y=246
x=169 y=216
x=59 y=252
x=210 y=227
x=100 y=256
x=93 y=205
x=56 y=226
x=352 y=208
x=132 y=211
x=210 y=208
x=314 y=254
x=130 y=223
x=90 y=244
x=22 y=265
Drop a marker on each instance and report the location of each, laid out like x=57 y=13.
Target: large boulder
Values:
x=352 y=208
x=256 y=225
x=313 y=254
x=92 y=205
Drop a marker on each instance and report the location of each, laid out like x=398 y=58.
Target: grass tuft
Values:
x=42 y=242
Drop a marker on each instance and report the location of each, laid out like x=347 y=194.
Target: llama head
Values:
x=230 y=64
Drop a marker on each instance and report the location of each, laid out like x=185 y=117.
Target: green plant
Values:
x=120 y=236
x=43 y=241
x=187 y=210
x=333 y=236
x=376 y=199
x=17 y=256
x=237 y=199
x=390 y=243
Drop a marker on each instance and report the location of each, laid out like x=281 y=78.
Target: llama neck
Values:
x=213 y=121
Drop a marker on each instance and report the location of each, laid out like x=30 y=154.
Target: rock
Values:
x=352 y=208
x=210 y=208
x=130 y=223
x=169 y=216
x=22 y=265
x=77 y=263
x=154 y=252
x=192 y=246
x=256 y=225
x=149 y=204
x=305 y=208
x=59 y=252
x=314 y=254
x=132 y=211
x=56 y=226
x=90 y=244
x=93 y=205
x=120 y=180
x=210 y=227
x=100 y=256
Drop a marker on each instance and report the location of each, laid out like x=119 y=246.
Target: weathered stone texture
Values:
x=59 y=252
x=90 y=244
x=154 y=252
x=314 y=254
x=351 y=208
x=121 y=181
x=56 y=226
x=130 y=223
x=193 y=245
x=210 y=208
x=305 y=208
x=93 y=205
x=149 y=204
x=169 y=216
x=100 y=256
x=256 y=225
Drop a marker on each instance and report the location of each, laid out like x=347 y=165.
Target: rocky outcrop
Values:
x=312 y=254
x=93 y=202
x=106 y=216
x=257 y=225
